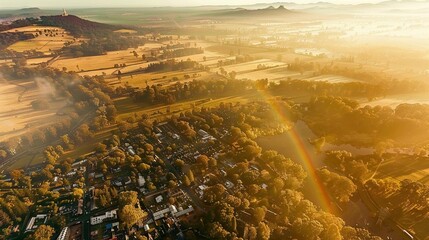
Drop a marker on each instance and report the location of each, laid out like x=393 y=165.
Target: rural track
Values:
x=45 y=44
x=52 y=60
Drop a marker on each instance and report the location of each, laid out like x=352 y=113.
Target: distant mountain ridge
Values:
x=270 y=11
x=29 y=9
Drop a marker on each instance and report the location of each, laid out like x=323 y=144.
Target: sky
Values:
x=55 y=4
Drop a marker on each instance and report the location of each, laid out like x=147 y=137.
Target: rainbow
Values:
x=323 y=198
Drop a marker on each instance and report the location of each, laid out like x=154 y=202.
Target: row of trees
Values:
x=170 y=65
x=181 y=52
x=189 y=90
x=9 y=38
x=369 y=90
x=342 y=119
x=101 y=45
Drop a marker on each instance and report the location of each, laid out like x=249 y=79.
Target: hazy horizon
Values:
x=51 y=4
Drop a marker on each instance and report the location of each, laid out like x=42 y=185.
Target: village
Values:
x=172 y=196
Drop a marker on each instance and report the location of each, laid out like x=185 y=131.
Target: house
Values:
x=205 y=136
x=254 y=167
x=160 y=214
x=173 y=209
x=36 y=221
x=202 y=133
x=175 y=136
x=107 y=215
x=64 y=234
x=146 y=227
x=230 y=164
x=141 y=181
x=159 y=199
x=131 y=151
x=117 y=183
x=229 y=184
x=201 y=189
x=185 y=211
x=79 y=162
x=99 y=175
x=128 y=181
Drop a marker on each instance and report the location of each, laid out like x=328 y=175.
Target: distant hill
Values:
x=77 y=26
x=15 y=24
x=33 y=9
x=264 y=12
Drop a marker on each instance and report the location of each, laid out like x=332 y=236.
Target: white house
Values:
x=141 y=181
x=159 y=199
x=107 y=215
x=64 y=234
x=40 y=218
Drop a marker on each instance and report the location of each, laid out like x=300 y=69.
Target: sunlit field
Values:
x=45 y=41
x=17 y=115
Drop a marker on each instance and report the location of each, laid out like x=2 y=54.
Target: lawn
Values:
x=89 y=145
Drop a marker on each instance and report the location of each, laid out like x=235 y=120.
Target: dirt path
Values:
x=44 y=45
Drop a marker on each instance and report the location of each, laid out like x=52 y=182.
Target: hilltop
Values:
x=76 y=25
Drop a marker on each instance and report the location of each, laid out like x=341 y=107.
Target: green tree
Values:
x=203 y=161
x=342 y=188
x=179 y=163
x=216 y=231
x=263 y=231
x=78 y=193
x=44 y=232
x=190 y=175
x=186 y=181
x=3 y=154
x=4 y=219
x=212 y=162
x=130 y=215
x=128 y=198
x=259 y=214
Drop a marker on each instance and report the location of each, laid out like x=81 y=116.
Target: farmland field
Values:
x=275 y=73
x=17 y=115
x=97 y=65
x=44 y=42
